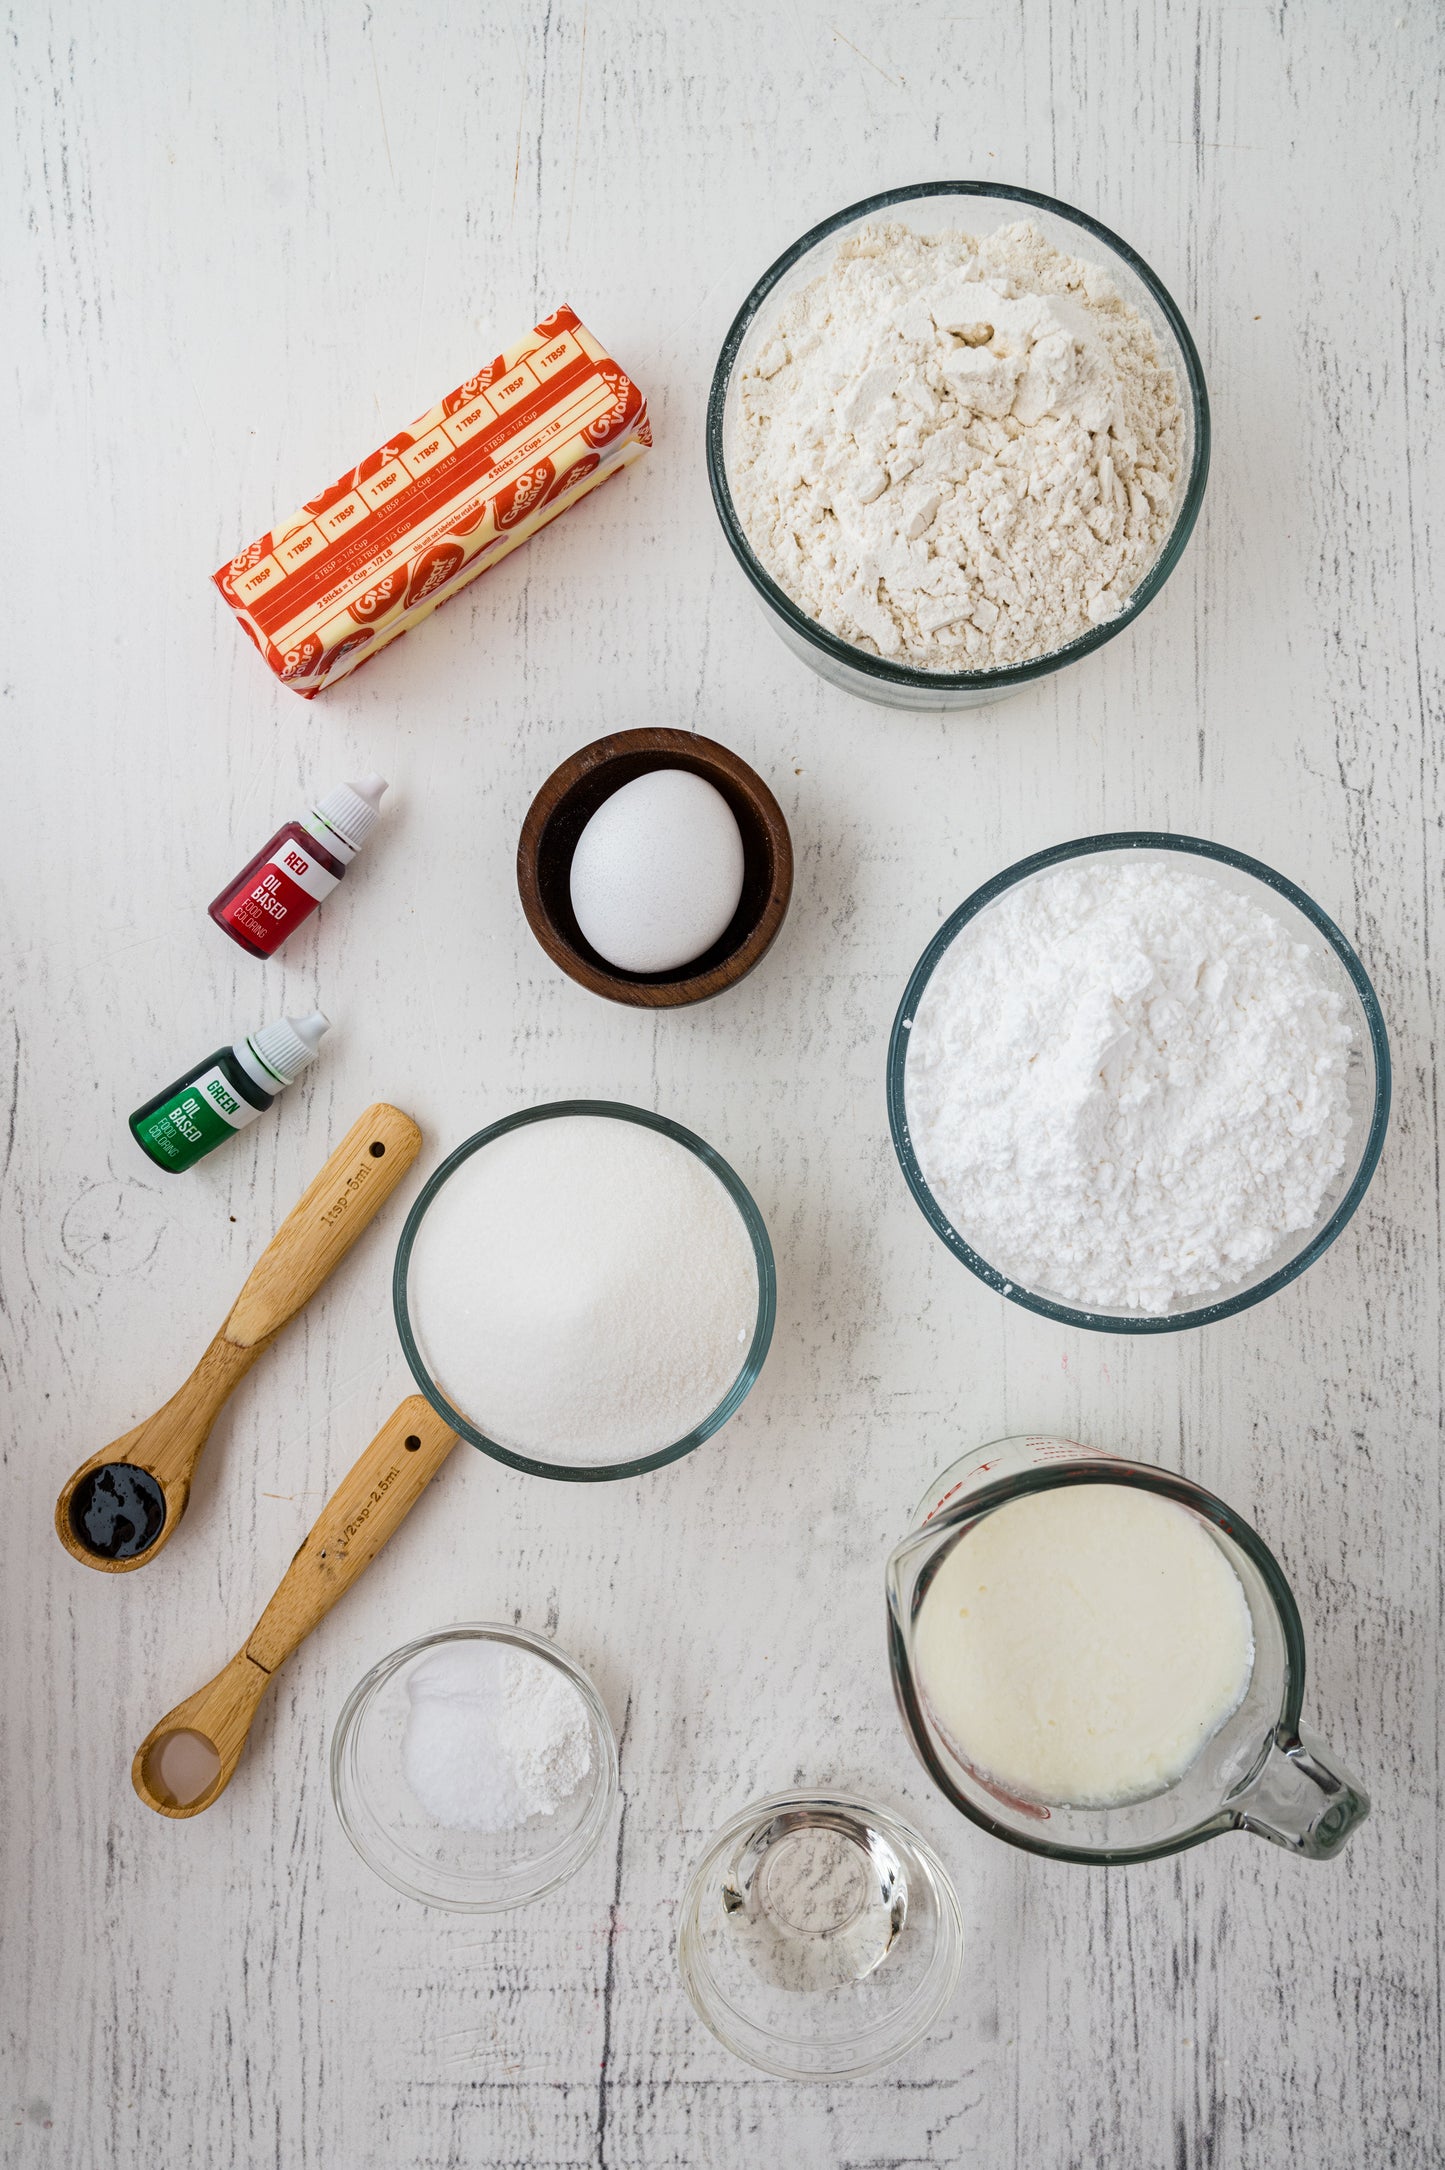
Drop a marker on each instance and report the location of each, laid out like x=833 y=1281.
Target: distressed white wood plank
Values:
x=238 y=247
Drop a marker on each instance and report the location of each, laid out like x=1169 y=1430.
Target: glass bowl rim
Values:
x=910 y=675
x=1148 y=1477
x=929 y=1995
x=605 y=1787
x=753 y=1361
x=1160 y=840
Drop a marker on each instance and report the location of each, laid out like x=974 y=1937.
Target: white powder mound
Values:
x=959 y=453
x=1126 y=1084
x=494 y=1735
x=584 y=1290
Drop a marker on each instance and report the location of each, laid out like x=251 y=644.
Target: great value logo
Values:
x=297 y=662
x=625 y=407
x=524 y=495
x=377 y=601
x=434 y=568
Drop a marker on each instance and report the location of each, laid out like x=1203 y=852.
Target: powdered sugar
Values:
x=959 y=453
x=1126 y=1084
x=494 y=1736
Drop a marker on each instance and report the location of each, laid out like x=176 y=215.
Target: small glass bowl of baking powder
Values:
x=937 y=207
x=465 y=1870
x=1367 y=1074
x=819 y=1936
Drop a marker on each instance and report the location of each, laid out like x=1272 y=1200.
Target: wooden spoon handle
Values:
x=314 y=1237
x=174 y=1436
x=371 y=1501
x=322 y=1226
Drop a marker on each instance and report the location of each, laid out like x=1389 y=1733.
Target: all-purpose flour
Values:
x=1126 y=1084
x=958 y=453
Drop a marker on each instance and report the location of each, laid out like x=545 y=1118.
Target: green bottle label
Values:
x=194 y=1121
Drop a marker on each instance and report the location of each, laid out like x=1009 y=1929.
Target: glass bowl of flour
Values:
x=585 y=1290
x=1138 y=1082
x=957 y=438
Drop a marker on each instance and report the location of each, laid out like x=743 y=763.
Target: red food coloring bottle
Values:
x=298 y=868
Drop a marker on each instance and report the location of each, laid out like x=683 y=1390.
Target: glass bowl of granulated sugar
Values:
x=1138 y=1082
x=585 y=1290
x=957 y=438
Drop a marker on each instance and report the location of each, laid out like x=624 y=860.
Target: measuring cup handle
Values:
x=1300 y=1799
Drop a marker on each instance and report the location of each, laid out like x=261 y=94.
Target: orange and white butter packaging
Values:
x=438 y=504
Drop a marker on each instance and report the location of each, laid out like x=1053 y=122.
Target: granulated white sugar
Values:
x=1127 y=1084
x=494 y=1735
x=957 y=452
x=584 y=1290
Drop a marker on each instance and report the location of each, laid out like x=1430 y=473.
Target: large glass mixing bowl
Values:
x=1368 y=1080
x=932 y=207
x=471 y=1424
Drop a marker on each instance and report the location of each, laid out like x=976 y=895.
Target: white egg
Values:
x=658 y=872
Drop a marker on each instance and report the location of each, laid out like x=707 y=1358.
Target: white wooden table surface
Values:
x=240 y=245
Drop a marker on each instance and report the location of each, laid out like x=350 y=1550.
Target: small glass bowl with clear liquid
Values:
x=820 y=1937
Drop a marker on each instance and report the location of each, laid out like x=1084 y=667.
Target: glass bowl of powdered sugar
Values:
x=1138 y=1082
x=957 y=438
x=474 y=1769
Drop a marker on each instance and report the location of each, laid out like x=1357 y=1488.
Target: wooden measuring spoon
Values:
x=122 y=1505
x=200 y=1741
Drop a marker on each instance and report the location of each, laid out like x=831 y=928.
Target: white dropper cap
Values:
x=278 y=1054
x=350 y=813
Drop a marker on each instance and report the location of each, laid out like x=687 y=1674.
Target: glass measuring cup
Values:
x=1258 y=1773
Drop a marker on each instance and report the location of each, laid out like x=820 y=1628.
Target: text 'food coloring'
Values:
x=225 y=1091
x=298 y=868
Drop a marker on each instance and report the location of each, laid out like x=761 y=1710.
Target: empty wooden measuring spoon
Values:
x=187 y=1761
x=122 y=1505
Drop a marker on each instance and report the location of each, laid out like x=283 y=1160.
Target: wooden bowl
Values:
x=561 y=811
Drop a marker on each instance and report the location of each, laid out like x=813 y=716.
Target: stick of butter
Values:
x=437 y=504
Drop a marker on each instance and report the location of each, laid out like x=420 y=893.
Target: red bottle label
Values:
x=271 y=904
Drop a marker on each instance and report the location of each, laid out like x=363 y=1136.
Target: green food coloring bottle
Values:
x=224 y=1092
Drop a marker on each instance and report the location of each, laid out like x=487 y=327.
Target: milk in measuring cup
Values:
x=1081 y=1645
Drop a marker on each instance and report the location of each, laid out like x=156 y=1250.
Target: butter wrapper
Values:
x=436 y=505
